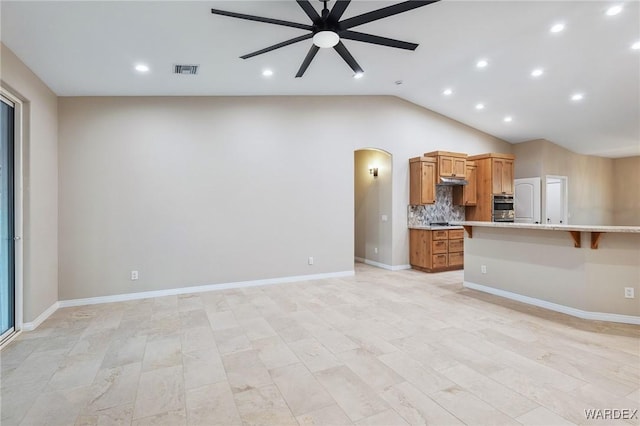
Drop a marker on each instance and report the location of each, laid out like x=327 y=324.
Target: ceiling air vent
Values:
x=186 y=69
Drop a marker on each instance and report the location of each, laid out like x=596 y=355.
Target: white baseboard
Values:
x=29 y=326
x=381 y=265
x=199 y=289
x=597 y=316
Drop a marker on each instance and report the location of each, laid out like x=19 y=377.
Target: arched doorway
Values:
x=373 y=207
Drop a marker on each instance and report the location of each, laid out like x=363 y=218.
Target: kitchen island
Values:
x=584 y=271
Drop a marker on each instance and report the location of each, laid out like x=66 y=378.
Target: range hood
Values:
x=449 y=181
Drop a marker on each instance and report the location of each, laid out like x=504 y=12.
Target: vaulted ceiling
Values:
x=90 y=48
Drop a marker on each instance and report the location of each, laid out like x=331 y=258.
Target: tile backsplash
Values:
x=442 y=211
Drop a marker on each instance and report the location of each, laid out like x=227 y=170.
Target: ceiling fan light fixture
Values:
x=325 y=39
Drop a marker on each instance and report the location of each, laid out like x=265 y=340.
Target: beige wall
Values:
x=590 y=179
x=626 y=191
x=40 y=185
x=372 y=200
x=193 y=191
x=545 y=265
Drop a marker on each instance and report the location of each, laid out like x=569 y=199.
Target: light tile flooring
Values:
x=380 y=348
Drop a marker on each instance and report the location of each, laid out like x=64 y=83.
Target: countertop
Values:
x=554 y=227
x=436 y=227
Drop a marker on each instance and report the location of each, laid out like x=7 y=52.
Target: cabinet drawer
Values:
x=456 y=246
x=456 y=259
x=439 y=235
x=455 y=234
x=439 y=246
x=440 y=260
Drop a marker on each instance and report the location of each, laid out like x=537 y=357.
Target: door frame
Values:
x=18 y=179
x=564 y=186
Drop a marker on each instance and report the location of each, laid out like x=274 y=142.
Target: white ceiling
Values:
x=83 y=48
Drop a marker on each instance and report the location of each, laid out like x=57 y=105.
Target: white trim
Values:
x=597 y=316
x=381 y=265
x=199 y=289
x=18 y=208
x=29 y=326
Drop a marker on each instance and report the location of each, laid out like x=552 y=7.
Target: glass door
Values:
x=7 y=220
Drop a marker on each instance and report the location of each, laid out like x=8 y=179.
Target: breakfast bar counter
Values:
x=553 y=266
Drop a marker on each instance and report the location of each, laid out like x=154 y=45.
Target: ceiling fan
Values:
x=327 y=29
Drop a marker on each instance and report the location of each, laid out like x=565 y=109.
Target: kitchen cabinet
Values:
x=422 y=180
x=494 y=176
x=450 y=164
x=436 y=250
x=502 y=176
x=467 y=195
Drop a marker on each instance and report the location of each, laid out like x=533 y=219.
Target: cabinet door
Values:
x=459 y=166
x=428 y=193
x=445 y=166
x=471 y=188
x=419 y=248
x=422 y=183
x=507 y=177
x=497 y=170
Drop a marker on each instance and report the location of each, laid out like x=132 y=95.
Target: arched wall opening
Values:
x=373 y=207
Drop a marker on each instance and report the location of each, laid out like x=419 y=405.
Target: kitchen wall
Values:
x=40 y=183
x=626 y=191
x=372 y=201
x=207 y=190
x=590 y=179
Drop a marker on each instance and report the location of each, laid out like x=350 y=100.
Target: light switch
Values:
x=384 y=218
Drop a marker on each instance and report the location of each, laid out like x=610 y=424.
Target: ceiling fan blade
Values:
x=342 y=50
x=307 y=60
x=383 y=41
x=384 y=12
x=309 y=10
x=262 y=19
x=277 y=46
x=338 y=10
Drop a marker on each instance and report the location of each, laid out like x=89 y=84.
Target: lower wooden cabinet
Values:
x=436 y=250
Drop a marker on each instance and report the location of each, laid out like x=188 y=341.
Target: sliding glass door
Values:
x=7 y=220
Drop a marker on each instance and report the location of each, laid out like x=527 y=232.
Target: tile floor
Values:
x=380 y=348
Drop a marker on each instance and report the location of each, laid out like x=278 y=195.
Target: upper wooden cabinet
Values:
x=502 y=176
x=422 y=180
x=494 y=177
x=467 y=195
x=450 y=164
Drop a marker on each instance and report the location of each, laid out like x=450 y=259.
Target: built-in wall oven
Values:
x=502 y=208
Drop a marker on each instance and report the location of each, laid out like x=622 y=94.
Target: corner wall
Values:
x=207 y=190
x=626 y=194
x=40 y=184
x=590 y=180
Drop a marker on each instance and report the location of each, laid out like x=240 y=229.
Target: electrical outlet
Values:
x=483 y=269
x=134 y=275
x=629 y=293
x=310 y=260
x=375 y=250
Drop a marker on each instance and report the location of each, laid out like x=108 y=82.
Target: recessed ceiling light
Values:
x=577 y=97
x=636 y=45
x=614 y=10
x=358 y=75
x=479 y=106
x=482 y=63
x=508 y=119
x=267 y=73
x=447 y=92
x=537 y=72
x=557 y=28
x=142 y=68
